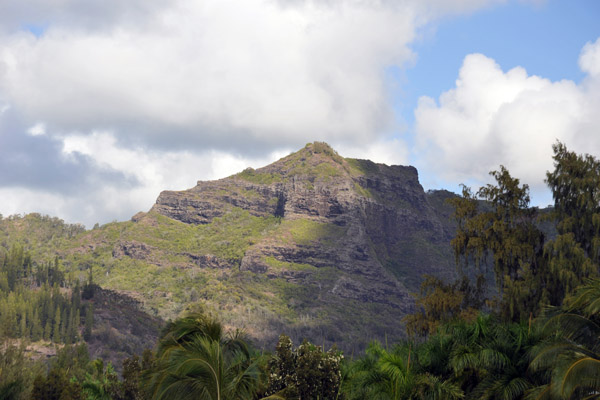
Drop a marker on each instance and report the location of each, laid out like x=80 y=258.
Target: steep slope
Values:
x=350 y=235
x=314 y=245
x=32 y=289
x=381 y=212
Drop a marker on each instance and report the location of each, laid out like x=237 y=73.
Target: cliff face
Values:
x=355 y=234
x=314 y=245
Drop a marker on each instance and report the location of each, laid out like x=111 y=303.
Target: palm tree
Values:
x=504 y=363
x=361 y=378
x=11 y=390
x=489 y=358
x=399 y=380
x=396 y=374
x=571 y=355
x=432 y=387
x=197 y=360
x=103 y=383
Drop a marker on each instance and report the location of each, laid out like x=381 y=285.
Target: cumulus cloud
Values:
x=90 y=178
x=140 y=96
x=156 y=170
x=218 y=73
x=589 y=61
x=390 y=151
x=511 y=118
x=29 y=158
x=82 y=15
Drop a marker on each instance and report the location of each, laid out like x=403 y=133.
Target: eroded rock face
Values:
x=387 y=232
x=384 y=208
x=134 y=249
x=208 y=261
x=208 y=200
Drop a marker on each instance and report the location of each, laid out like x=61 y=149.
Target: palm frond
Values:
x=583 y=374
x=432 y=387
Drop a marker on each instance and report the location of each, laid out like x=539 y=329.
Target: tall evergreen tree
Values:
x=56 y=324
x=88 y=322
x=505 y=230
x=575 y=253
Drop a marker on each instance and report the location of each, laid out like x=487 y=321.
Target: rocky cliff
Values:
x=350 y=237
x=314 y=245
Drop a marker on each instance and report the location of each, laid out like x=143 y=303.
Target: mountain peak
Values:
x=316 y=160
x=313 y=182
x=314 y=153
x=319 y=148
x=319 y=232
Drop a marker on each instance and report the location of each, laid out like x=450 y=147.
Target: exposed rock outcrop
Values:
x=133 y=249
x=371 y=224
x=384 y=209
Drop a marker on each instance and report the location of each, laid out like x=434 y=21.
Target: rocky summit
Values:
x=352 y=238
x=315 y=245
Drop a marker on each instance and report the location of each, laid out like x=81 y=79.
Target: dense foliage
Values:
x=499 y=239
x=305 y=372
x=521 y=322
x=35 y=301
x=196 y=359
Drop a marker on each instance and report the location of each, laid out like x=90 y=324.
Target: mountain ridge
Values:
x=308 y=245
x=368 y=220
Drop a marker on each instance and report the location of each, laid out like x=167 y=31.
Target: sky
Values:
x=105 y=103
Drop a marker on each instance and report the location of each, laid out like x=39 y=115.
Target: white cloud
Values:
x=511 y=118
x=218 y=71
x=81 y=15
x=160 y=94
x=589 y=61
x=386 y=150
x=38 y=129
x=153 y=171
x=221 y=73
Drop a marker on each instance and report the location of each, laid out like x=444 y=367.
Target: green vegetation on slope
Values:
x=39 y=234
x=361 y=167
x=164 y=265
x=263 y=178
x=227 y=237
x=316 y=161
x=306 y=232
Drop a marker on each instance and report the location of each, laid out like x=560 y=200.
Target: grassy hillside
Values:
x=307 y=245
x=166 y=265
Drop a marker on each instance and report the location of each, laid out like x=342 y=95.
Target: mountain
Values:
x=314 y=245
